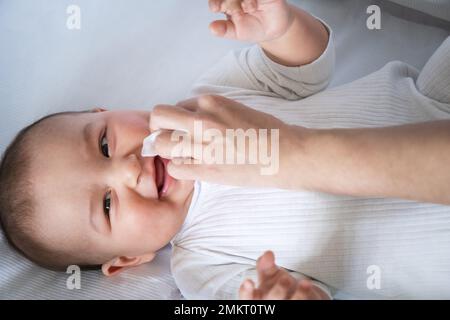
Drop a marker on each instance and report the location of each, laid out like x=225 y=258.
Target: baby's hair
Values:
x=18 y=205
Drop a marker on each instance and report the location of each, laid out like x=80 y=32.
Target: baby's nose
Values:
x=130 y=170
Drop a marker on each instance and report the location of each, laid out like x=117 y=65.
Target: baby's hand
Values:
x=277 y=284
x=251 y=20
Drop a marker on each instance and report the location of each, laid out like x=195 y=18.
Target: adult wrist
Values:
x=295 y=157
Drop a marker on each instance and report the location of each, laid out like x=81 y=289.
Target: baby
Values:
x=74 y=188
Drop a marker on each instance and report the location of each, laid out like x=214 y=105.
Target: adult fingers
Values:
x=171 y=144
x=196 y=168
x=189 y=104
x=170 y=117
x=191 y=168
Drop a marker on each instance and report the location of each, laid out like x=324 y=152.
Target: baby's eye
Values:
x=107 y=203
x=104 y=146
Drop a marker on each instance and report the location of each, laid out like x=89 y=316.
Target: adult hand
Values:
x=215 y=139
x=406 y=161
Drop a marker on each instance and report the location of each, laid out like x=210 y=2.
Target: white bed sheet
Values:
x=135 y=54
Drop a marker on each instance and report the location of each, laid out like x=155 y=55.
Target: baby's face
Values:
x=96 y=193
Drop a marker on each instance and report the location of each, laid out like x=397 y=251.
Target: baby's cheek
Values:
x=149 y=219
x=138 y=121
x=130 y=127
x=133 y=236
x=142 y=214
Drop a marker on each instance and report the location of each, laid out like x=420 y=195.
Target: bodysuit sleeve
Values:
x=250 y=71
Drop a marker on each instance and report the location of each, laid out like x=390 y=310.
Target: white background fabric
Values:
x=134 y=54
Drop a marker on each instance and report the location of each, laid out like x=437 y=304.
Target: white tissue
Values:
x=148 y=145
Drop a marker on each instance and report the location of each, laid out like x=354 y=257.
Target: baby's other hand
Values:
x=251 y=20
x=277 y=284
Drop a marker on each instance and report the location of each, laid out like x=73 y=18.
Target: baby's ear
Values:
x=117 y=265
x=95 y=110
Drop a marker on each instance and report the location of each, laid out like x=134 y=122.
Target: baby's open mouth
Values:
x=159 y=174
x=162 y=177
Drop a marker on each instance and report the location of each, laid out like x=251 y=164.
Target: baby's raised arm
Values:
x=288 y=35
x=293 y=55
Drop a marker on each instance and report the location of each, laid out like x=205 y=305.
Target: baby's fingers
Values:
x=249 y=6
x=306 y=291
x=282 y=289
x=230 y=7
x=266 y=266
x=223 y=28
x=246 y=291
x=214 y=5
